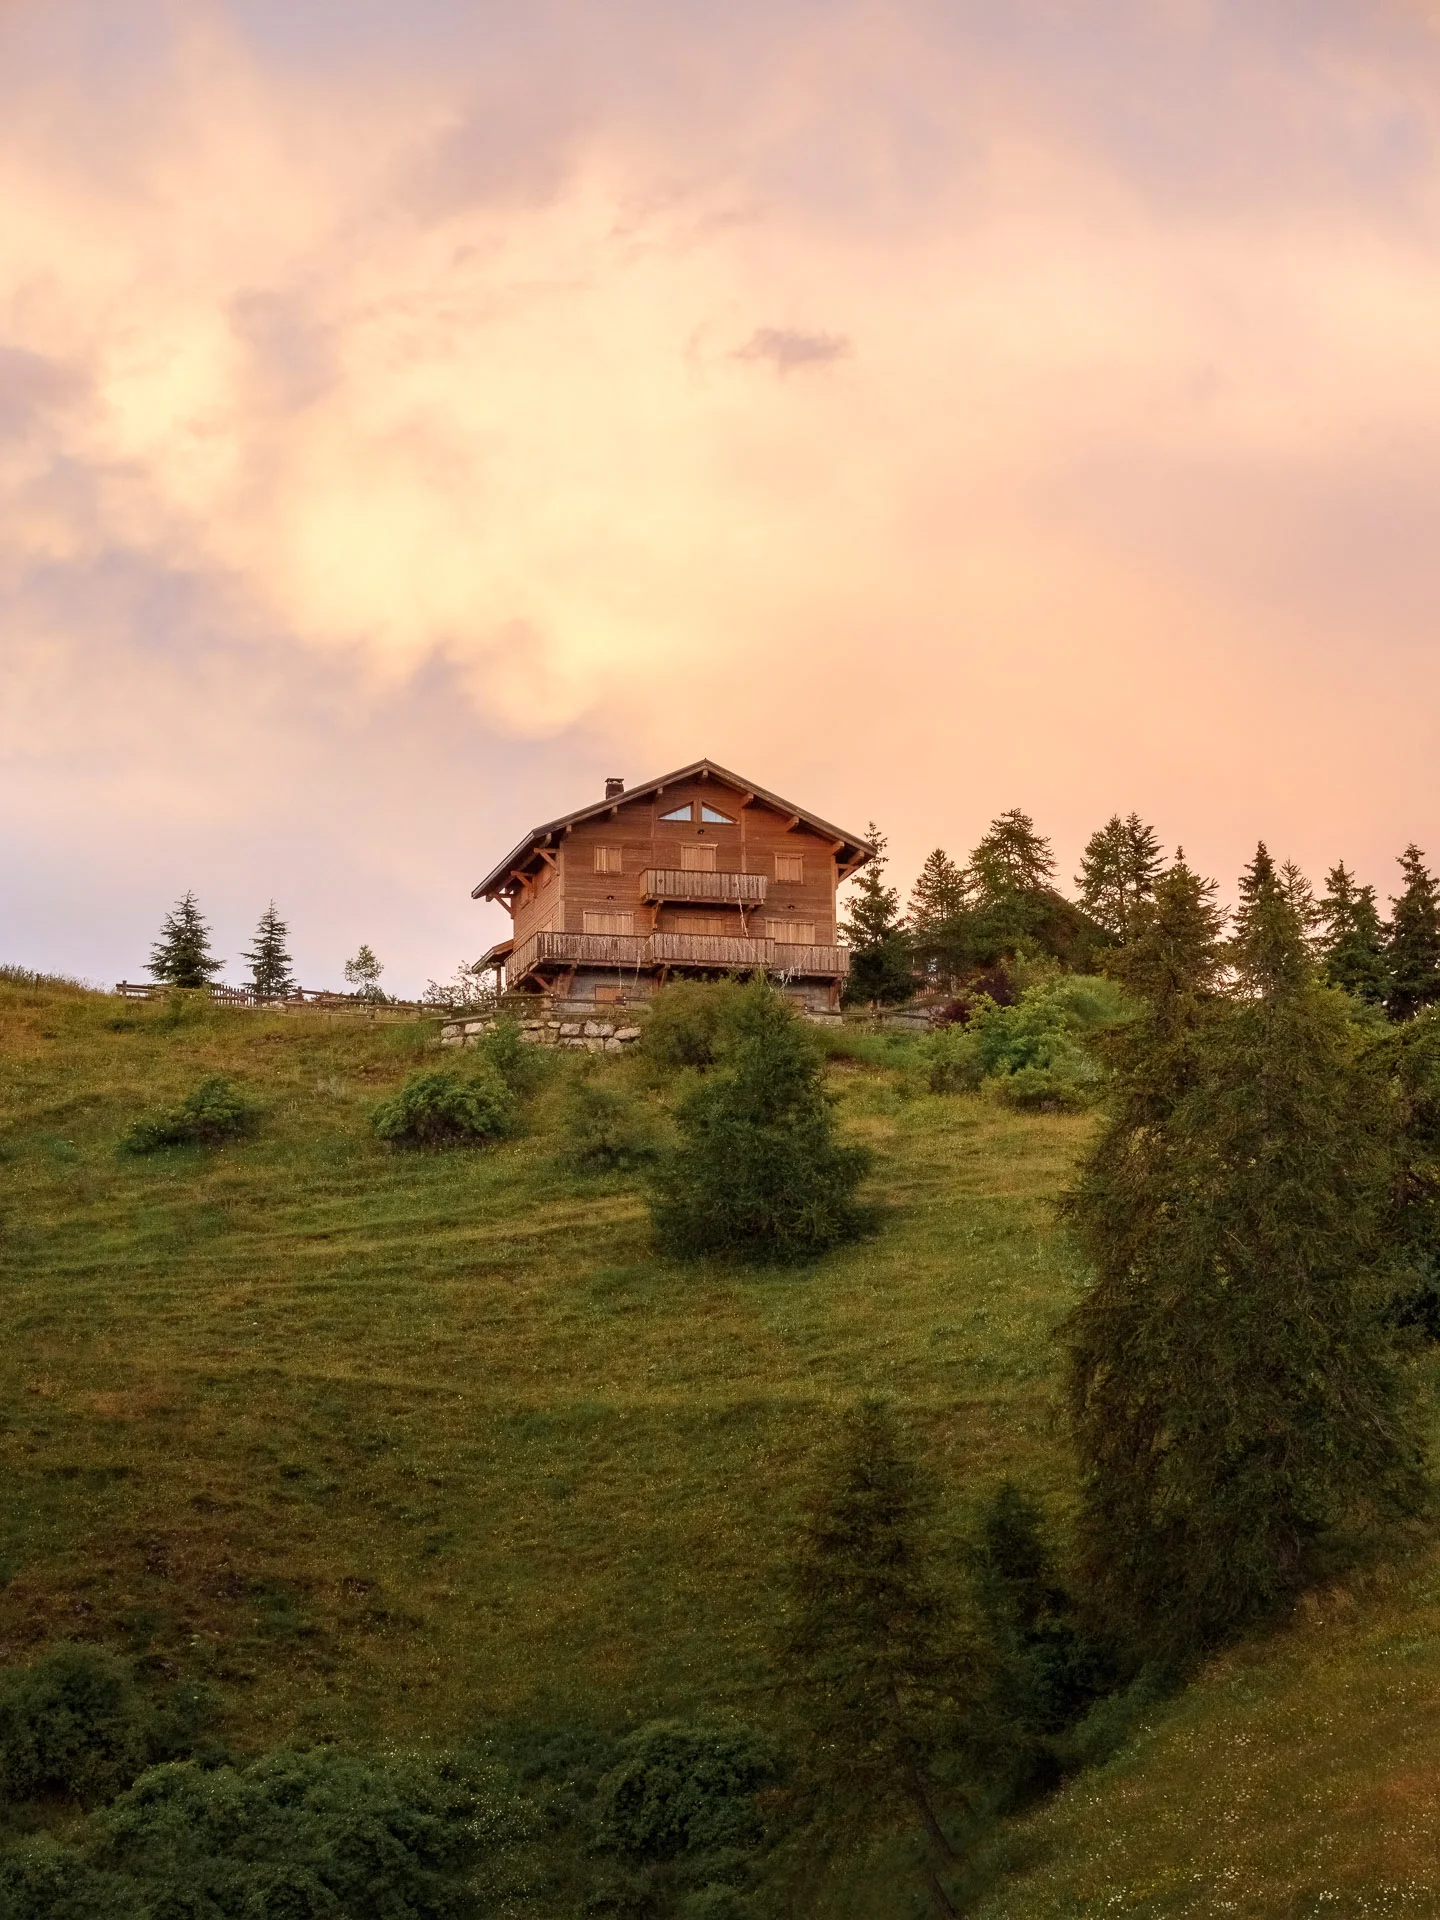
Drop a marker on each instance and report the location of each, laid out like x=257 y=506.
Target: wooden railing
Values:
x=247 y=997
x=664 y=883
x=635 y=952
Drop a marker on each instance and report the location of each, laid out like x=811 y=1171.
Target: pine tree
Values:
x=888 y=1689
x=938 y=894
x=181 y=956
x=1351 y=939
x=363 y=974
x=1413 y=946
x=1011 y=858
x=1118 y=871
x=1301 y=897
x=881 y=971
x=1233 y=1389
x=269 y=958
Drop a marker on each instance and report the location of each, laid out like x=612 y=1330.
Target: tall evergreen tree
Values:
x=1233 y=1389
x=1301 y=897
x=881 y=970
x=938 y=894
x=888 y=1689
x=1011 y=858
x=181 y=957
x=1118 y=871
x=1351 y=937
x=1413 y=946
x=270 y=962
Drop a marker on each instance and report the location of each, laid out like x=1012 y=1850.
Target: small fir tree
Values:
x=270 y=962
x=938 y=894
x=888 y=1688
x=181 y=957
x=1118 y=872
x=1234 y=1392
x=1011 y=858
x=881 y=971
x=363 y=973
x=758 y=1172
x=1351 y=939
x=1413 y=946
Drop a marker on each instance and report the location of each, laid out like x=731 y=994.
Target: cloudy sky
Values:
x=412 y=413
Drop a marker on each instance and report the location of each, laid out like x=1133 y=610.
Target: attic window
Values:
x=679 y=813
x=712 y=813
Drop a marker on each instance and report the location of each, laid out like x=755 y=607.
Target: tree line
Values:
x=965 y=922
x=183 y=956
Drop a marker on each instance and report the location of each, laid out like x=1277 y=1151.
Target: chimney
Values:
x=613 y=787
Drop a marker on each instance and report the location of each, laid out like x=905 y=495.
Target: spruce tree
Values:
x=270 y=962
x=1234 y=1392
x=888 y=1687
x=181 y=957
x=881 y=969
x=1301 y=897
x=1011 y=858
x=1413 y=946
x=1118 y=871
x=1351 y=937
x=938 y=894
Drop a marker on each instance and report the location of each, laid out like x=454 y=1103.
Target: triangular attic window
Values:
x=679 y=813
x=712 y=813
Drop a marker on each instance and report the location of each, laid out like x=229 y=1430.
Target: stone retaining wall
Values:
x=556 y=1027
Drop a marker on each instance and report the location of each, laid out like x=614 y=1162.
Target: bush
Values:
x=758 y=1172
x=73 y=1726
x=443 y=1108
x=1034 y=1052
x=684 y=1790
x=952 y=1061
x=46 y=1881
x=212 y=1113
x=685 y=1024
x=521 y=1065
x=605 y=1128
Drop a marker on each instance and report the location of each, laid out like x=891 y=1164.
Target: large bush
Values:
x=682 y=1789
x=604 y=1126
x=758 y=1172
x=685 y=1024
x=444 y=1108
x=72 y=1726
x=214 y=1112
x=1038 y=1052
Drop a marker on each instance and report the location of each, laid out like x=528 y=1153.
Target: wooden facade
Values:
x=697 y=873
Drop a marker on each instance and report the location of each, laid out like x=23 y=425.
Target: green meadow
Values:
x=393 y=1448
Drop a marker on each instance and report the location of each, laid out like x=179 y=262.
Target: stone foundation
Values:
x=555 y=1025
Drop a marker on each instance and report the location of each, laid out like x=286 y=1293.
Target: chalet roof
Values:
x=851 y=850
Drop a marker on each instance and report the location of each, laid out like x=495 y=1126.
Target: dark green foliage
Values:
x=1010 y=907
x=47 y=1881
x=270 y=962
x=1011 y=858
x=1118 y=871
x=938 y=899
x=1351 y=938
x=881 y=963
x=1037 y=1052
x=519 y=1062
x=295 y=1836
x=444 y=1108
x=1234 y=1391
x=684 y=1024
x=678 y=1789
x=605 y=1127
x=181 y=956
x=1410 y=1054
x=213 y=1113
x=73 y=1726
x=1413 y=947
x=758 y=1172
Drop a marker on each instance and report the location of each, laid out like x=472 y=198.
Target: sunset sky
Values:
x=412 y=413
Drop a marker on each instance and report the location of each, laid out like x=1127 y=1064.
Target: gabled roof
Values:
x=850 y=850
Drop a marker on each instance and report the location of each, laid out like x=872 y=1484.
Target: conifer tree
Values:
x=1011 y=858
x=1233 y=1388
x=938 y=894
x=269 y=958
x=1118 y=871
x=1301 y=897
x=1351 y=938
x=886 y=1685
x=1413 y=946
x=181 y=957
x=880 y=960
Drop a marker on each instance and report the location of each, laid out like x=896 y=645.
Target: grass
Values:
x=396 y=1445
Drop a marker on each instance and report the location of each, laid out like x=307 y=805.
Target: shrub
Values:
x=952 y=1061
x=605 y=1128
x=443 y=1108
x=685 y=1024
x=214 y=1112
x=684 y=1790
x=46 y=1881
x=73 y=1725
x=758 y=1171
x=519 y=1064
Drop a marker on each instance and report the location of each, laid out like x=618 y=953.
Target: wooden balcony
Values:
x=729 y=889
x=652 y=952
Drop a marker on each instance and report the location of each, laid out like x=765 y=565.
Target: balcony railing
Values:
x=737 y=889
x=644 y=951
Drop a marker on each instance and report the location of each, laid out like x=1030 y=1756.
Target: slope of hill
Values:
x=395 y=1446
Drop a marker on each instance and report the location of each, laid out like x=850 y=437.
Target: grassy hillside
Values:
x=396 y=1445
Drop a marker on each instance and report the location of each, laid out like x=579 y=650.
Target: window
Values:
x=609 y=923
x=789 y=866
x=720 y=819
x=607 y=860
x=697 y=859
x=680 y=813
x=709 y=923
x=792 y=933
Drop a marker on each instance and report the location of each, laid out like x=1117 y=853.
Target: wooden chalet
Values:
x=698 y=873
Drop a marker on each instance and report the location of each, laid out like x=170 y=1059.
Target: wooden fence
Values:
x=303 y=997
